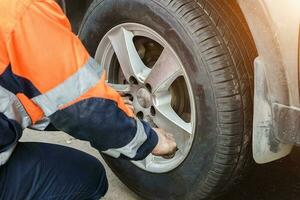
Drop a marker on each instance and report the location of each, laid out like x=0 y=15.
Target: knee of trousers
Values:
x=99 y=182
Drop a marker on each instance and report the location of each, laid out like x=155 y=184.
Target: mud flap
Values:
x=266 y=147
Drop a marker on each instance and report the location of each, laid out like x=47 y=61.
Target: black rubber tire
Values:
x=213 y=41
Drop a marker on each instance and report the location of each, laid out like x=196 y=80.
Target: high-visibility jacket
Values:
x=46 y=75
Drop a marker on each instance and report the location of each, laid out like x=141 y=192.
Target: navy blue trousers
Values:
x=46 y=171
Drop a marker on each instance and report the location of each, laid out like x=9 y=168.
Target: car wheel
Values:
x=188 y=66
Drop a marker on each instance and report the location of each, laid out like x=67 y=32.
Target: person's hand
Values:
x=166 y=146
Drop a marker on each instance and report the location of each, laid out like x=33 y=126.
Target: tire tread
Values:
x=232 y=84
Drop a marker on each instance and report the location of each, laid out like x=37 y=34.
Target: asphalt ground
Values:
x=278 y=180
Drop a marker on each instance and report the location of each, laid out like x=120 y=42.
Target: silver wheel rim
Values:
x=152 y=88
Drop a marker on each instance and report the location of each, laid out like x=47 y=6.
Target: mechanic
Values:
x=47 y=78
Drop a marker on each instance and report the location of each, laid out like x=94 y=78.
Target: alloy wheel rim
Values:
x=157 y=88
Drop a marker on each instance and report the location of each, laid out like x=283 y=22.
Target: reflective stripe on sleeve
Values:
x=41 y=125
x=130 y=149
x=12 y=108
x=72 y=88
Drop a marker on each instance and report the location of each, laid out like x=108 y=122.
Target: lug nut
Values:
x=149 y=88
x=130 y=97
x=152 y=111
x=133 y=80
x=140 y=115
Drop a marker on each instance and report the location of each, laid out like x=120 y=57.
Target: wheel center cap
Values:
x=144 y=97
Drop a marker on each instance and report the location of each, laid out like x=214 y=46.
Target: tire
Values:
x=213 y=41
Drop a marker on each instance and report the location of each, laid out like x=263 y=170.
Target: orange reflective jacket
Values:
x=47 y=71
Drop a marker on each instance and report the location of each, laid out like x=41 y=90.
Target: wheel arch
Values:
x=75 y=11
x=264 y=35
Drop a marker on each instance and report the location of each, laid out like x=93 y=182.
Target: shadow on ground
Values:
x=279 y=180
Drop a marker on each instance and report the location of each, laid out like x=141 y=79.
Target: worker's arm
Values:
x=61 y=81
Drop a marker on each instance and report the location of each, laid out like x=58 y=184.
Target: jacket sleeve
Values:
x=62 y=81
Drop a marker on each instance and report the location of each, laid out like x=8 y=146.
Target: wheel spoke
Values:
x=164 y=72
x=129 y=59
x=169 y=120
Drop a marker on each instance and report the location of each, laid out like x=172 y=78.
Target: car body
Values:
x=275 y=29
